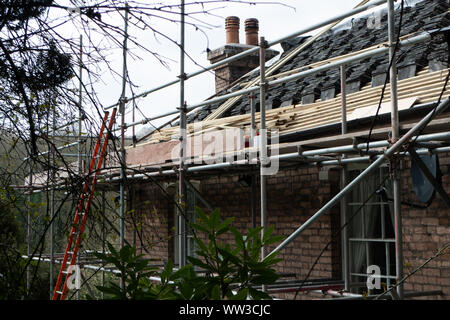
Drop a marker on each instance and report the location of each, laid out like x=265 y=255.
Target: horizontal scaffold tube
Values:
x=361 y=146
x=312 y=159
x=59 y=148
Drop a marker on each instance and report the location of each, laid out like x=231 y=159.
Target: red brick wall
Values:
x=149 y=221
x=294 y=196
x=425 y=232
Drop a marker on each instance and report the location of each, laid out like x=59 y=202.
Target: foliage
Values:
x=134 y=273
x=239 y=264
x=11 y=285
x=224 y=271
x=12 y=265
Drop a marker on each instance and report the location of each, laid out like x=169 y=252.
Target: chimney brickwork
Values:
x=230 y=72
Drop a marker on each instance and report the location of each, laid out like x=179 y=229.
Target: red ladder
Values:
x=82 y=210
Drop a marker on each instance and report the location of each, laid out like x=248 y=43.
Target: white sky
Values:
x=275 y=21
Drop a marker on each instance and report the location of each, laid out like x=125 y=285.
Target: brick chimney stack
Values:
x=230 y=72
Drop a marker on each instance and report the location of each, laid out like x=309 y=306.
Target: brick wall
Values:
x=293 y=196
x=149 y=222
x=424 y=232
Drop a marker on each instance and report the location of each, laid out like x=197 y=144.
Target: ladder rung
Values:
x=59 y=292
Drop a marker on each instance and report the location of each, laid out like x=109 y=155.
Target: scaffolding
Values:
x=375 y=153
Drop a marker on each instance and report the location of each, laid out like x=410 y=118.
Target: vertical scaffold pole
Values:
x=122 y=137
x=80 y=105
x=183 y=137
x=263 y=142
x=30 y=200
x=344 y=178
x=52 y=206
x=103 y=209
x=122 y=130
x=252 y=98
x=80 y=116
x=395 y=137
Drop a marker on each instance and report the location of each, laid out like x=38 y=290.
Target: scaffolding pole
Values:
x=103 y=209
x=80 y=106
x=122 y=138
x=263 y=141
x=377 y=163
x=122 y=133
x=30 y=200
x=59 y=148
x=312 y=163
x=251 y=144
x=80 y=103
x=395 y=136
x=344 y=178
x=52 y=208
x=183 y=137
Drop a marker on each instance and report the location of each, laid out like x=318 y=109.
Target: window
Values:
x=371 y=230
x=191 y=216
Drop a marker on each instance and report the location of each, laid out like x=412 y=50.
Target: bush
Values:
x=225 y=271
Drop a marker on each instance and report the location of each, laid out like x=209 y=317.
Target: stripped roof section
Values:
x=425 y=15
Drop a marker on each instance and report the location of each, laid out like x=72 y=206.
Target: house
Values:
x=316 y=148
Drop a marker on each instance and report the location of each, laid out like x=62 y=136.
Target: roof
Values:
x=423 y=16
x=315 y=101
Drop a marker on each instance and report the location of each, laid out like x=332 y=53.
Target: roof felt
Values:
x=425 y=15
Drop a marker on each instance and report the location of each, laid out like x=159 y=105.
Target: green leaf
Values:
x=199 y=227
x=200 y=243
x=112 y=250
x=201 y=215
x=254 y=232
x=274 y=239
x=259 y=295
x=126 y=252
x=186 y=290
x=224 y=226
x=215 y=293
x=228 y=255
x=198 y=263
x=239 y=239
x=267 y=233
x=214 y=219
x=167 y=271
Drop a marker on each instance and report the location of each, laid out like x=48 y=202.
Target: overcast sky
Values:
x=275 y=21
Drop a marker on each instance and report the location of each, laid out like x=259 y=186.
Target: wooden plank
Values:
x=426 y=87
